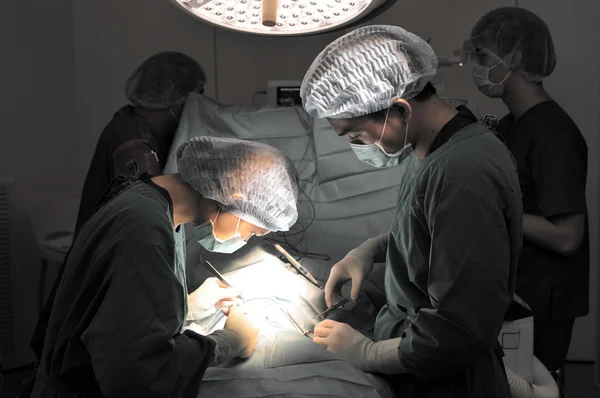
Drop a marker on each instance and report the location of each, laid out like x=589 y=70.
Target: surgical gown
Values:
x=127 y=137
x=451 y=264
x=115 y=326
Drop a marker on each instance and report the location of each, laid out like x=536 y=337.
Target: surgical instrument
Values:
x=306 y=333
x=338 y=305
x=294 y=263
x=220 y=277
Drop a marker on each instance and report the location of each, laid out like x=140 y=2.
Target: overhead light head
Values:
x=284 y=17
x=451 y=61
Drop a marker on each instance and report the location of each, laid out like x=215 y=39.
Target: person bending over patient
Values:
x=114 y=328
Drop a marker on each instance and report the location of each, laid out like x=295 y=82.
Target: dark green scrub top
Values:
x=114 y=326
x=451 y=263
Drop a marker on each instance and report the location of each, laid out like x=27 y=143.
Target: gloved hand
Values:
x=353 y=347
x=357 y=265
x=210 y=297
x=247 y=332
x=349 y=268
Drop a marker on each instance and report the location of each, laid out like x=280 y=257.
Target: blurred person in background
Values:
x=514 y=52
x=143 y=130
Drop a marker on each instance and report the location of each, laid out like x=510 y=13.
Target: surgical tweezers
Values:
x=307 y=333
x=338 y=305
x=220 y=277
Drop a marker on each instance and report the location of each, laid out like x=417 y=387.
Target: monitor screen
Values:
x=284 y=92
x=288 y=96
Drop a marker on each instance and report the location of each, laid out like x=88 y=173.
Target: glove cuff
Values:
x=384 y=357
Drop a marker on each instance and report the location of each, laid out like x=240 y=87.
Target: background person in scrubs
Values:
x=453 y=247
x=142 y=131
x=513 y=53
x=114 y=327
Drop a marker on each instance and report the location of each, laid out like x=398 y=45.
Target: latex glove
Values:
x=246 y=330
x=210 y=297
x=362 y=352
x=349 y=268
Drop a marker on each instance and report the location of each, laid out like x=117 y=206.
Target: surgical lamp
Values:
x=285 y=17
x=451 y=61
x=457 y=59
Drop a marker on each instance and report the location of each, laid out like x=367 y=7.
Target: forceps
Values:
x=220 y=277
x=307 y=333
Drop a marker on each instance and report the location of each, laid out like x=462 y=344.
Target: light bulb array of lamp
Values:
x=281 y=17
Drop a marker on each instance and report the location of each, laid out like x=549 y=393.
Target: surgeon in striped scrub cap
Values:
x=359 y=77
x=365 y=70
x=453 y=244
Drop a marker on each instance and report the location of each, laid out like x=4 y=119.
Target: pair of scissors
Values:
x=338 y=305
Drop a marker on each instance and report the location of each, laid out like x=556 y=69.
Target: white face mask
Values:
x=481 y=77
x=376 y=156
x=205 y=235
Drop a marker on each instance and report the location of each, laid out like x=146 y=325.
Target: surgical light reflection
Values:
x=269 y=289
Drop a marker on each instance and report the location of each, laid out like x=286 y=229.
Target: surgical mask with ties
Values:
x=481 y=77
x=376 y=156
x=205 y=235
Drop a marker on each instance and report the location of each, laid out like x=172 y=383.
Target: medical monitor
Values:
x=284 y=92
